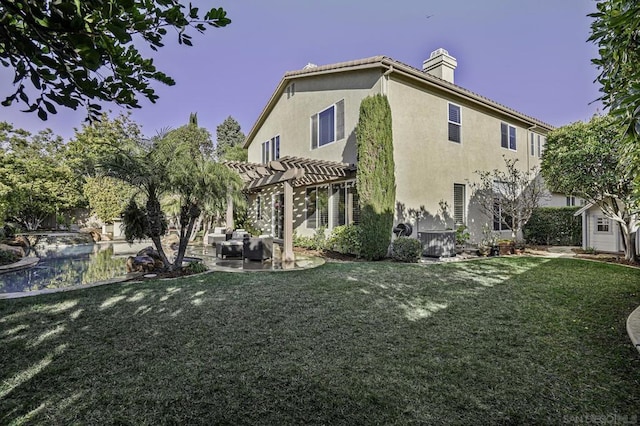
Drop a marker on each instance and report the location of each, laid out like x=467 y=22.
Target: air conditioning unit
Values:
x=438 y=243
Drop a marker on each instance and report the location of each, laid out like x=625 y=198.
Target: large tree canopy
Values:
x=616 y=30
x=35 y=179
x=177 y=164
x=229 y=141
x=586 y=160
x=73 y=53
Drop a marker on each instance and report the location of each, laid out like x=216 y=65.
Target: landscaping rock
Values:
x=96 y=235
x=20 y=241
x=14 y=249
x=144 y=264
x=153 y=254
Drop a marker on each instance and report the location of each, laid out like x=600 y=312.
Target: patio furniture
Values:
x=218 y=235
x=257 y=248
x=231 y=248
x=239 y=234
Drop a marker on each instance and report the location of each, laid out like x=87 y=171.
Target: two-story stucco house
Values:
x=304 y=142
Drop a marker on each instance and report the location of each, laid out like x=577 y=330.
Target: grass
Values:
x=499 y=341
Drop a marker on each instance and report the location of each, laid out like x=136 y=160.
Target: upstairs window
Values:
x=265 y=152
x=455 y=123
x=571 y=201
x=540 y=146
x=327 y=126
x=507 y=136
x=275 y=147
x=533 y=145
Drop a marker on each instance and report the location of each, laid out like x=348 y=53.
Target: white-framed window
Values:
x=603 y=224
x=317 y=207
x=508 y=136
x=265 y=152
x=454 y=121
x=540 y=146
x=571 y=201
x=291 y=90
x=271 y=149
x=344 y=204
x=533 y=145
x=458 y=204
x=275 y=147
x=327 y=126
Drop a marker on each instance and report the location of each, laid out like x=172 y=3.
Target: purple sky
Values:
x=531 y=55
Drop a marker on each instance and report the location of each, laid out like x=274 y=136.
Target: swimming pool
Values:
x=68 y=265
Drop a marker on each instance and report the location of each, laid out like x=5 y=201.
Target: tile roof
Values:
x=394 y=66
x=385 y=60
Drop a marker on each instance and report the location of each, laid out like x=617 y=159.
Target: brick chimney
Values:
x=440 y=64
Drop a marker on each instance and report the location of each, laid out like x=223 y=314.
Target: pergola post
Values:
x=287 y=250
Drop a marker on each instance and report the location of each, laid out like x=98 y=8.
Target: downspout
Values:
x=385 y=81
x=585 y=229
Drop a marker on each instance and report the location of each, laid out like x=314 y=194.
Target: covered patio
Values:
x=288 y=172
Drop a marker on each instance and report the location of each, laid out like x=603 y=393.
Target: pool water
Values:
x=65 y=266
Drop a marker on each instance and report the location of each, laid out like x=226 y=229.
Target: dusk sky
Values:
x=530 y=55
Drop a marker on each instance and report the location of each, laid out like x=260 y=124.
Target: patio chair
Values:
x=257 y=248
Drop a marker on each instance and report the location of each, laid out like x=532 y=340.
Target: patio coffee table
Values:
x=231 y=248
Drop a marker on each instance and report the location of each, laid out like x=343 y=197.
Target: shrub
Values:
x=554 y=226
x=462 y=235
x=196 y=267
x=406 y=249
x=317 y=242
x=375 y=179
x=345 y=239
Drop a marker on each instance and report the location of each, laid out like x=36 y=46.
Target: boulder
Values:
x=96 y=235
x=14 y=249
x=20 y=241
x=144 y=264
x=153 y=254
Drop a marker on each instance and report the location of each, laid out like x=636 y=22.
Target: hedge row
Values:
x=556 y=226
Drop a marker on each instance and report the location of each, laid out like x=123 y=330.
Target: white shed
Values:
x=600 y=232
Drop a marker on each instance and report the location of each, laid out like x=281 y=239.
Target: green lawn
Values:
x=503 y=340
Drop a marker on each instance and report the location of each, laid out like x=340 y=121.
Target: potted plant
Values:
x=519 y=247
x=488 y=246
x=506 y=247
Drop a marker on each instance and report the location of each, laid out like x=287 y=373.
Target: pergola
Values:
x=290 y=172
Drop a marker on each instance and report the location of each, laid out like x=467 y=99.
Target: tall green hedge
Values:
x=554 y=226
x=376 y=184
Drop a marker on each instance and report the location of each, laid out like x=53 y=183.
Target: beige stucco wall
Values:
x=428 y=164
x=291 y=115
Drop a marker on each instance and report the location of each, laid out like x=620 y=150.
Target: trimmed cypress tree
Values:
x=375 y=179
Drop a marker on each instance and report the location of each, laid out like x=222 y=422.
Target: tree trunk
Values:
x=193 y=213
x=629 y=243
x=158 y=243
x=196 y=228
x=630 y=253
